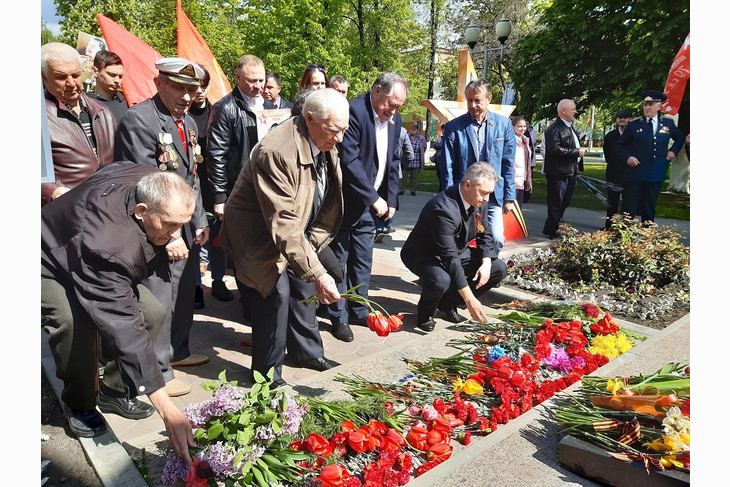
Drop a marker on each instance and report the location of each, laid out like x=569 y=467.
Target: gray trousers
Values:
x=74 y=342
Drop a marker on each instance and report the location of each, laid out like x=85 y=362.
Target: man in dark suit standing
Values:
x=159 y=131
x=644 y=146
x=370 y=182
x=563 y=159
x=614 y=165
x=452 y=272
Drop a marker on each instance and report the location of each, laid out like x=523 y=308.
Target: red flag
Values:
x=677 y=80
x=137 y=56
x=192 y=46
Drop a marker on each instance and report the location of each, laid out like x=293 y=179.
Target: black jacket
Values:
x=443 y=231
x=614 y=165
x=561 y=155
x=232 y=133
x=92 y=245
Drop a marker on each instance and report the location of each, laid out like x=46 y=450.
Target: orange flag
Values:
x=137 y=56
x=192 y=46
x=677 y=80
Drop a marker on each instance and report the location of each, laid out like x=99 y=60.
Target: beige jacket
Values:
x=271 y=203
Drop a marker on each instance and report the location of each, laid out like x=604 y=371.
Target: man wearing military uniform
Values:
x=644 y=147
x=160 y=131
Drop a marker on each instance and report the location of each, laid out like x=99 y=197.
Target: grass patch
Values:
x=668 y=206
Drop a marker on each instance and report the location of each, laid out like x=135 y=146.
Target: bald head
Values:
x=566 y=109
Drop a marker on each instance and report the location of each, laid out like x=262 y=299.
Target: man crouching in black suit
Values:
x=449 y=243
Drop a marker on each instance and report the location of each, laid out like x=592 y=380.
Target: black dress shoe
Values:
x=220 y=291
x=86 y=424
x=450 y=314
x=343 y=332
x=124 y=407
x=427 y=325
x=320 y=364
x=277 y=384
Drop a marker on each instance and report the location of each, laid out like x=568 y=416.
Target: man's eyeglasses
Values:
x=312 y=67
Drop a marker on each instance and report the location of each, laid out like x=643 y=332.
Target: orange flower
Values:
x=358 y=441
x=348 y=426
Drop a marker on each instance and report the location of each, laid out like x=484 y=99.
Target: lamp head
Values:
x=503 y=29
x=471 y=35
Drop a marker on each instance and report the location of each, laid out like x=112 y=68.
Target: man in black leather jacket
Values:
x=563 y=160
x=232 y=131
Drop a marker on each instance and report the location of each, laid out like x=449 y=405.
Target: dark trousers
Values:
x=174 y=287
x=279 y=322
x=438 y=292
x=73 y=339
x=640 y=197
x=614 y=199
x=559 y=193
x=354 y=249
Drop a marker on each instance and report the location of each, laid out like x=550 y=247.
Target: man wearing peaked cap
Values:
x=644 y=148
x=614 y=166
x=180 y=70
x=160 y=132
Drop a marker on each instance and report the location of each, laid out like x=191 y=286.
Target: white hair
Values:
x=58 y=51
x=322 y=104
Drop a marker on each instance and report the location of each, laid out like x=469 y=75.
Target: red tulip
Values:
x=435 y=436
x=395 y=322
x=376 y=426
x=318 y=445
x=333 y=475
x=348 y=426
x=440 y=451
x=378 y=323
x=358 y=441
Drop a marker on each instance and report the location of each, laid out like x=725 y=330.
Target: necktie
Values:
x=181 y=131
x=321 y=176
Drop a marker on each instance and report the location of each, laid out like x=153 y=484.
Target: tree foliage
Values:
x=597 y=52
x=356 y=38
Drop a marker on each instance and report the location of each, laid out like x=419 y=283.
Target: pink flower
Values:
x=429 y=413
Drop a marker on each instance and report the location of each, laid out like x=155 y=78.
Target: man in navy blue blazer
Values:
x=644 y=146
x=370 y=182
x=438 y=250
x=480 y=135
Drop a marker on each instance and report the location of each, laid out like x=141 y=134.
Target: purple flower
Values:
x=293 y=415
x=174 y=470
x=226 y=400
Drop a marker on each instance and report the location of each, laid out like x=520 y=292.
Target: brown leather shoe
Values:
x=190 y=360
x=177 y=387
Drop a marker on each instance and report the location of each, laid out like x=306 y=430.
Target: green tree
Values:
x=46 y=34
x=597 y=52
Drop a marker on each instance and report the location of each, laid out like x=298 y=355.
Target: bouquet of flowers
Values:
x=243 y=437
x=642 y=418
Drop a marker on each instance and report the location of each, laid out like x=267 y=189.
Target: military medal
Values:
x=196 y=147
x=168 y=153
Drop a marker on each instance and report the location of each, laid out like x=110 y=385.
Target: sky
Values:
x=48 y=14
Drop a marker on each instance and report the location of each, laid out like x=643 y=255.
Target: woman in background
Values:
x=523 y=159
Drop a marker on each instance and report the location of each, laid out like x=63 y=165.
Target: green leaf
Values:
x=222 y=376
x=260 y=480
x=257 y=377
x=215 y=430
x=237 y=459
x=265 y=417
x=245 y=435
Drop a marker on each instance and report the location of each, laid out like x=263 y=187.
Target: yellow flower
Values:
x=657 y=445
x=671 y=461
x=458 y=385
x=614 y=387
x=473 y=387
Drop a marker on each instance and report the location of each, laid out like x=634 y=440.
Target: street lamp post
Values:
x=502 y=29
